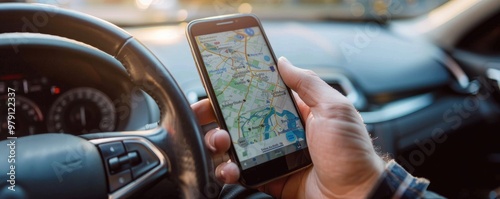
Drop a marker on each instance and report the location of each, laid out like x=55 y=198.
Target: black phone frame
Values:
x=260 y=174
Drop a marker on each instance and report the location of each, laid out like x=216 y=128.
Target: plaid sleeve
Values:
x=396 y=182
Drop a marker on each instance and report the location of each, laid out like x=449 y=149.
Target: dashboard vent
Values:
x=338 y=87
x=342 y=84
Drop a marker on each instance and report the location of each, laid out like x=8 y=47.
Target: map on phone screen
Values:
x=258 y=111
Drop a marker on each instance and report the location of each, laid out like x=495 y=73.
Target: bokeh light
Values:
x=245 y=8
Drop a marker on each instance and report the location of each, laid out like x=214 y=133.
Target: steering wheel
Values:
x=100 y=165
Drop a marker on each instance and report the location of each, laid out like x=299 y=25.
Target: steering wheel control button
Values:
x=134 y=158
x=112 y=149
x=114 y=164
x=148 y=160
x=124 y=160
x=119 y=180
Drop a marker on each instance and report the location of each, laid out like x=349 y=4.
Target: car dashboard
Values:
x=385 y=76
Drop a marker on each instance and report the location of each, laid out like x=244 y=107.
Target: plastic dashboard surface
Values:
x=392 y=76
x=375 y=59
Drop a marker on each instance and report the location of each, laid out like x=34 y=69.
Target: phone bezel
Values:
x=259 y=174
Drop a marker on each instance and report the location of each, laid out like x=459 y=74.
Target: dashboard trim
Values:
x=457 y=72
x=398 y=109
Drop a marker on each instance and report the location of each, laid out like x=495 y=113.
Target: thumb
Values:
x=308 y=85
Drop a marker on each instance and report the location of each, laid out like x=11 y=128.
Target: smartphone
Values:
x=240 y=75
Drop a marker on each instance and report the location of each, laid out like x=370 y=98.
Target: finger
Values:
x=227 y=172
x=218 y=141
x=204 y=112
x=311 y=89
x=220 y=158
x=303 y=108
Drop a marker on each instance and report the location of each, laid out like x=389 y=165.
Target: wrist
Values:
x=372 y=180
x=362 y=189
x=396 y=182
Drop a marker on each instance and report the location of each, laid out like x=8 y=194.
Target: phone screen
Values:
x=255 y=103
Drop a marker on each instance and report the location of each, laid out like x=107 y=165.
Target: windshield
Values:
x=141 y=12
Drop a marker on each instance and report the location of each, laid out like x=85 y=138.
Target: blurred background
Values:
x=140 y=12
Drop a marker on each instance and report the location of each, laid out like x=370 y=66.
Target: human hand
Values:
x=345 y=163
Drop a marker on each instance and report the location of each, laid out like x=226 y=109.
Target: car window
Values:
x=140 y=12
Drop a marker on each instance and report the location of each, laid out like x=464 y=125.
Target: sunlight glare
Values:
x=143 y=4
x=182 y=14
x=448 y=11
x=245 y=8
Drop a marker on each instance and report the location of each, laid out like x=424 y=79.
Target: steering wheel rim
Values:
x=179 y=132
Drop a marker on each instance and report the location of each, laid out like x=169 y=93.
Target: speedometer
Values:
x=80 y=111
x=28 y=117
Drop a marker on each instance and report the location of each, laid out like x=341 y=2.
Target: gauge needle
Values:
x=82 y=116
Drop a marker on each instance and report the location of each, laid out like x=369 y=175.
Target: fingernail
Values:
x=284 y=59
x=212 y=140
x=223 y=175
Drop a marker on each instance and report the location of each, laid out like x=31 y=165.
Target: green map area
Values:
x=255 y=103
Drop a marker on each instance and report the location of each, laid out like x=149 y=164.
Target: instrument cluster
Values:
x=43 y=105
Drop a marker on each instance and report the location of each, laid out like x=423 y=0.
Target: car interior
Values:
x=101 y=90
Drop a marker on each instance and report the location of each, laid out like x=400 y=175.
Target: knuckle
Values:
x=341 y=110
x=310 y=72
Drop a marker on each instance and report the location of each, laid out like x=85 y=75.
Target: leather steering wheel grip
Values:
x=191 y=165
